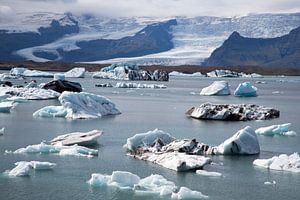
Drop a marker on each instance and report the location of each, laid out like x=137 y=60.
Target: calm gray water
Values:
x=144 y=110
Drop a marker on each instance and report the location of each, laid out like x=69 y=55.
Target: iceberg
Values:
x=222 y=73
x=5 y=107
x=59 y=76
x=283 y=162
x=23 y=167
x=79 y=138
x=245 y=90
x=29 y=93
x=243 y=142
x=207 y=173
x=155 y=185
x=43 y=148
x=29 y=73
x=218 y=88
x=280 y=129
x=81 y=105
x=138 y=85
x=77 y=72
x=62 y=85
x=232 y=112
x=196 y=74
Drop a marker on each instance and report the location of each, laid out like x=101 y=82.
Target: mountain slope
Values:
x=241 y=51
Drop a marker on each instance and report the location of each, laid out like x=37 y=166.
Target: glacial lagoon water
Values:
x=144 y=110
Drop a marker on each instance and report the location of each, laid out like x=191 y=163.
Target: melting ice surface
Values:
x=282 y=162
x=280 y=129
x=43 y=148
x=155 y=185
x=23 y=167
x=218 y=88
x=81 y=105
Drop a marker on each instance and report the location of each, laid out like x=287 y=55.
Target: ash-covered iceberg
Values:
x=280 y=129
x=77 y=72
x=219 y=88
x=29 y=73
x=81 y=105
x=283 y=162
x=63 y=85
x=44 y=148
x=222 y=73
x=187 y=154
x=245 y=89
x=154 y=185
x=23 y=167
x=232 y=112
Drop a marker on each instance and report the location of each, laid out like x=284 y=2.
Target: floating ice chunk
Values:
x=5 y=107
x=138 y=85
x=30 y=73
x=270 y=183
x=245 y=90
x=79 y=138
x=155 y=185
x=282 y=162
x=22 y=169
x=60 y=150
x=281 y=129
x=207 y=173
x=77 y=72
x=17 y=71
x=196 y=74
x=146 y=139
x=81 y=105
x=2 y=130
x=243 y=142
x=218 y=88
x=186 y=193
x=59 y=76
x=222 y=73
x=51 y=111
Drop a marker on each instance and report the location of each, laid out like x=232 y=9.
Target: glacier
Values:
x=245 y=89
x=154 y=185
x=81 y=105
x=219 y=88
x=23 y=167
x=280 y=129
x=283 y=162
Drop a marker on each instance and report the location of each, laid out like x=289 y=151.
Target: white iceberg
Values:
x=283 y=162
x=245 y=89
x=5 y=107
x=23 y=167
x=218 y=88
x=81 y=105
x=77 y=72
x=207 y=173
x=243 y=142
x=29 y=93
x=280 y=129
x=196 y=74
x=80 y=138
x=58 y=76
x=43 y=148
x=29 y=73
x=139 y=85
x=155 y=185
x=147 y=139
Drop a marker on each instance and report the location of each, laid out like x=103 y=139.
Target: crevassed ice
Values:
x=154 y=184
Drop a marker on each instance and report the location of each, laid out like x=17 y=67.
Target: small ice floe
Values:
x=207 y=173
x=139 y=85
x=270 y=183
x=81 y=105
x=280 y=129
x=2 y=130
x=182 y=155
x=245 y=89
x=79 y=138
x=277 y=92
x=154 y=185
x=77 y=72
x=218 y=88
x=44 y=148
x=283 y=162
x=29 y=73
x=23 y=167
x=232 y=112
x=5 y=107
x=29 y=93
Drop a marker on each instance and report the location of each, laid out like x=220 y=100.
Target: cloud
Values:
x=6 y=14
x=158 y=7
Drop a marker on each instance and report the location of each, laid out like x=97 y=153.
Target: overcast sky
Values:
x=151 y=7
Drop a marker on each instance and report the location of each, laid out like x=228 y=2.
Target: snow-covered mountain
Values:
x=193 y=39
